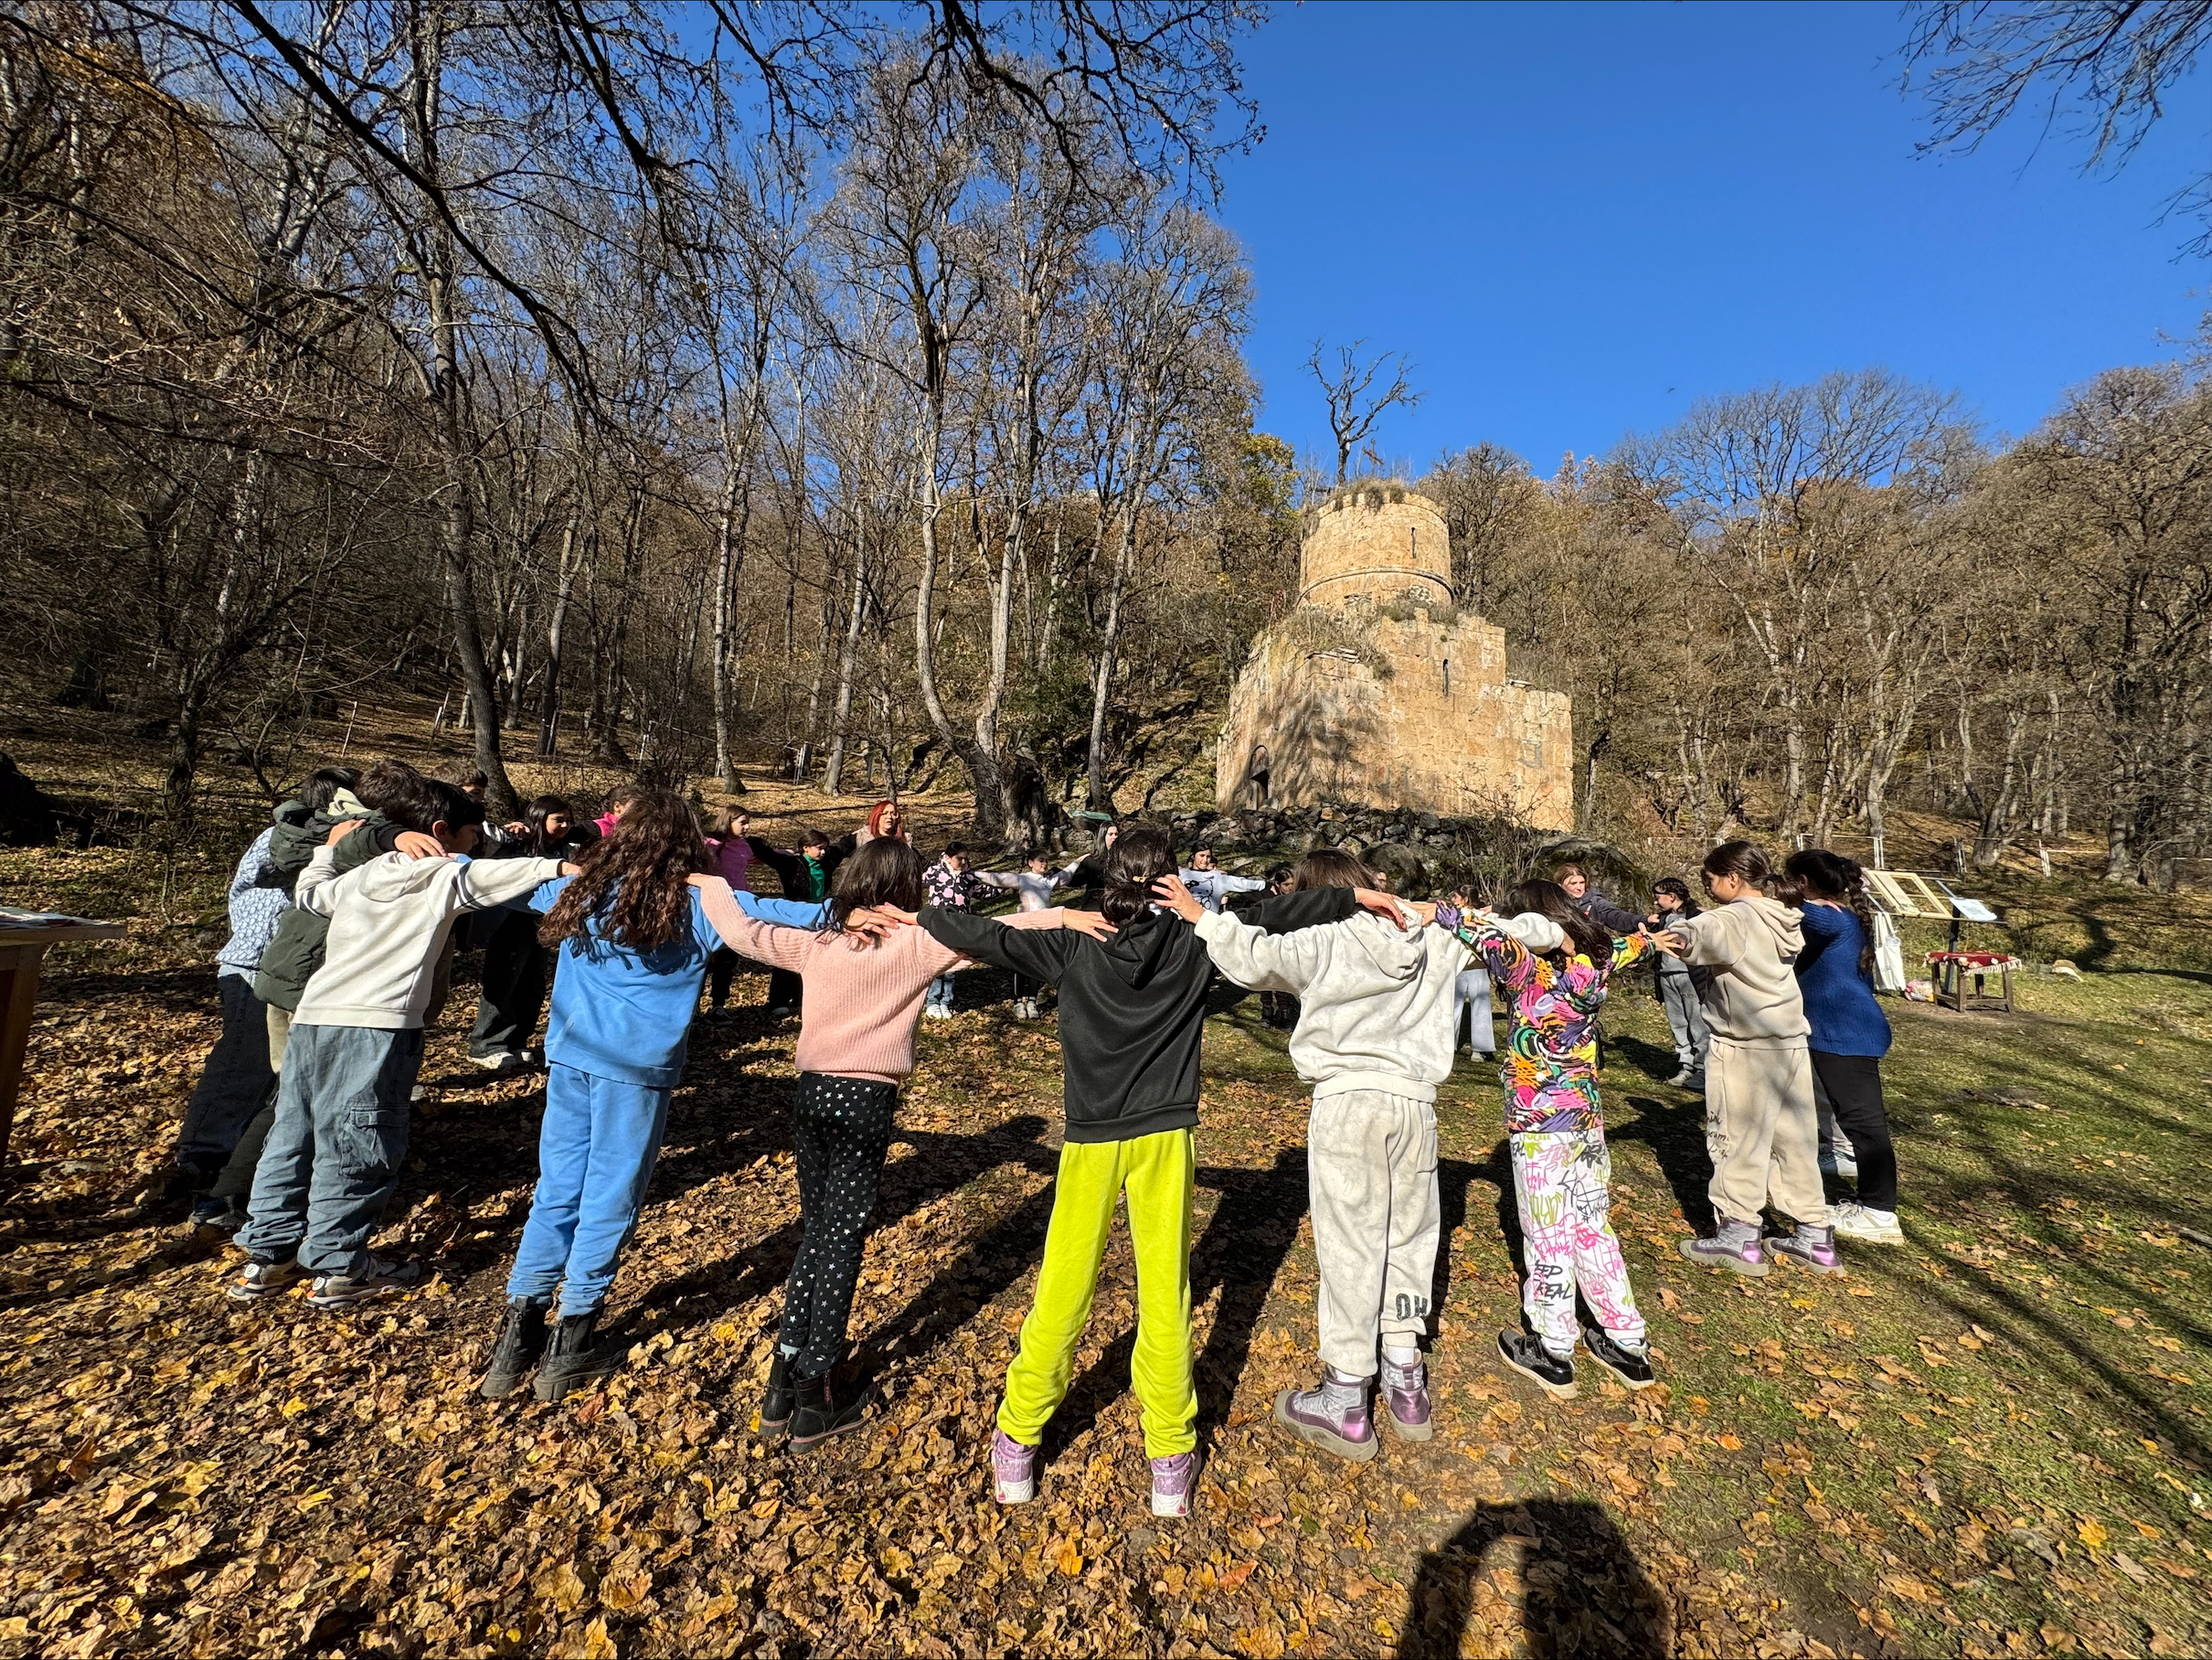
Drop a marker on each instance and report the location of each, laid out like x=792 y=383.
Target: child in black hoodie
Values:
x=1131 y=1011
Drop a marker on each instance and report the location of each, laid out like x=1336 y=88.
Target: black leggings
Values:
x=840 y=1129
x=721 y=968
x=1854 y=1087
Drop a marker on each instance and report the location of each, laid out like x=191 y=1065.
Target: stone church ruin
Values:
x=1375 y=689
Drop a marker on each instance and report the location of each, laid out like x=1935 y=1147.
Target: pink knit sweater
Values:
x=861 y=1000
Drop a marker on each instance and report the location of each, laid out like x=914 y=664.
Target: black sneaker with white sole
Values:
x=378 y=1275
x=1631 y=1367
x=1528 y=1355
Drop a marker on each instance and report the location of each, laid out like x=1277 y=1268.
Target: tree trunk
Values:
x=1099 y=799
x=848 y=657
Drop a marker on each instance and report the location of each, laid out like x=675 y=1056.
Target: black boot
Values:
x=777 y=1404
x=522 y=1339
x=576 y=1360
x=823 y=1409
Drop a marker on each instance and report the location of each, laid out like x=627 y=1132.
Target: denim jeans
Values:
x=234 y=1085
x=335 y=1148
x=939 y=994
x=596 y=1150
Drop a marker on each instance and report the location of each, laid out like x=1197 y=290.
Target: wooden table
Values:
x=20 y=949
x=1953 y=969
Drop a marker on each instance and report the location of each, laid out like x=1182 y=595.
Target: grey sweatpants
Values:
x=1685 y=1020
x=1371 y=1172
x=1762 y=1131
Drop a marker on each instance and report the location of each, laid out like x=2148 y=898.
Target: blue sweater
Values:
x=626 y=1014
x=1839 y=1000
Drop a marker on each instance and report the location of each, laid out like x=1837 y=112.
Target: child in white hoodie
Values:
x=1760 y=1124
x=335 y=1150
x=1375 y=1037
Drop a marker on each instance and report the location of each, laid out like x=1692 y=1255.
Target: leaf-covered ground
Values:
x=1988 y=1443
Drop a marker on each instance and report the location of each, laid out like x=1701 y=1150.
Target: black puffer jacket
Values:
x=1131 y=1007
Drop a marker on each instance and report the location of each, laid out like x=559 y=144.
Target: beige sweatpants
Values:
x=1371 y=1176
x=1762 y=1132
x=280 y=1035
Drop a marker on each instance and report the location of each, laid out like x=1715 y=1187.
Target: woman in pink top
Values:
x=860 y=1002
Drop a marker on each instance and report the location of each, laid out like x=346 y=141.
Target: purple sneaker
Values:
x=1735 y=1248
x=1333 y=1417
x=1405 y=1394
x=1013 y=1470
x=1171 y=1484
x=1811 y=1249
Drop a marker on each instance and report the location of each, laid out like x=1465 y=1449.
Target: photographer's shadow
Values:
x=1584 y=1592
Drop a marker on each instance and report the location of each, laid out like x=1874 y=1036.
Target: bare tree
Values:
x=2106 y=67
x=1354 y=406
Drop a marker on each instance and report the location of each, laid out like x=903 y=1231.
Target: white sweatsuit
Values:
x=1375 y=1037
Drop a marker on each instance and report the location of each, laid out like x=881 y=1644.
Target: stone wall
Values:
x=1423 y=718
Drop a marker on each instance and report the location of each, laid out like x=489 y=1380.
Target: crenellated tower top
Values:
x=1378 y=543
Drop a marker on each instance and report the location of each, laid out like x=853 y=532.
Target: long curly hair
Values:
x=635 y=879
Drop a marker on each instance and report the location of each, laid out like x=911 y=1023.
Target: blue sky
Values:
x=1579 y=219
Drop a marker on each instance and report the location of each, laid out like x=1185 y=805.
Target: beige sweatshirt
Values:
x=1749 y=944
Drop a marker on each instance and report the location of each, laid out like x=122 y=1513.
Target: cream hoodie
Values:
x=1749 y=944
x=1374 y=1001
x=388 y=919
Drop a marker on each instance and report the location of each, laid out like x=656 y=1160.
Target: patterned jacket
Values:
x=1550 y=1067
x=953 y=889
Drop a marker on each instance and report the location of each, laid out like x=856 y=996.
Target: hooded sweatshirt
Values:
x=1374 y=1000
x=625 y=1013
x=388 y=923
x=1751 y=945
x=296 y=950
x=1131 y=1007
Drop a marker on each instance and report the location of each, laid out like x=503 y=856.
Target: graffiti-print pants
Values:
x=1567 y=1238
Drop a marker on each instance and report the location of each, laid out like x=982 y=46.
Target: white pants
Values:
x=1377 y=1219
x=1472 y=991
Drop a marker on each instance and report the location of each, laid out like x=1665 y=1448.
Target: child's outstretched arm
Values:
x=482 y=884
x=766 y=942
x=813 y=915
x=1035 y=943
x=1263 y=961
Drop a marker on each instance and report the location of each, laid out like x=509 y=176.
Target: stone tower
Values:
x=1373 y=689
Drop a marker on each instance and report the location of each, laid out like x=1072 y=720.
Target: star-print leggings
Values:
x=841 y=1129
x=1561 y=1178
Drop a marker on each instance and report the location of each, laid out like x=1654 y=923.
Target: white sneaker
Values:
x=1841 y=1165
x=1852 y=1220
x=935 y=1012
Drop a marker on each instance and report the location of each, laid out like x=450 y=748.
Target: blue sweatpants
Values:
x=595 y=1156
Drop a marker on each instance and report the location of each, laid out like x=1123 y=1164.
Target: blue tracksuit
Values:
x=614 y=1049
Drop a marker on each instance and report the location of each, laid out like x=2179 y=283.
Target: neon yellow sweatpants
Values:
x=1155 y=1171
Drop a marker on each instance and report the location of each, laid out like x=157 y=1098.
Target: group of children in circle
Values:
x=1768 y=990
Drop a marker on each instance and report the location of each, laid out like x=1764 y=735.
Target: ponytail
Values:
x=1820 y=873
